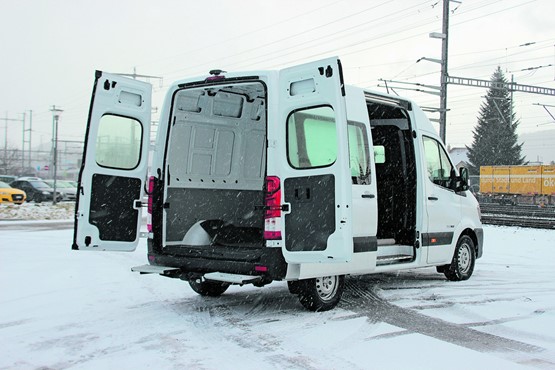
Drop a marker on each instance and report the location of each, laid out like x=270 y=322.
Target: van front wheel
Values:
x=462 y=265
x=322 y=293
x=208 y=288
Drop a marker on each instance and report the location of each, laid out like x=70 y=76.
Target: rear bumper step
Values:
x=150 y=269
x=232 y=278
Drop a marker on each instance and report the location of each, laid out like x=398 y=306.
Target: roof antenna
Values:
x=216 y=72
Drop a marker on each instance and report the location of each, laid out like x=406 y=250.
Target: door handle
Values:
x=368 y=196
x=433 y=198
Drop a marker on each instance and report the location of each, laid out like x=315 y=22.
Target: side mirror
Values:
x=464 y=174
x=464 y=179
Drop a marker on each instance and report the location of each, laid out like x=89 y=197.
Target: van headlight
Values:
x=46 y=193
x=479 y=212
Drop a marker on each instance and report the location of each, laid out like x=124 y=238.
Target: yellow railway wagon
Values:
x=548 y=180
x=486 y=179
x=525 y=180
x=501 y=179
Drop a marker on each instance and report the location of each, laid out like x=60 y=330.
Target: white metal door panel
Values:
x=316 y=84
x=114 y=169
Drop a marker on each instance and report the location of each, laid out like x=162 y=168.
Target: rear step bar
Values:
x=214 y=276
x=232 y=278
x=150 y=269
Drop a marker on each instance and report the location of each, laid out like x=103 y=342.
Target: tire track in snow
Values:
x=239 y=319
x=364 y=301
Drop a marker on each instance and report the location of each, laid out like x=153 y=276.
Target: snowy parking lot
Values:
x=64 y=309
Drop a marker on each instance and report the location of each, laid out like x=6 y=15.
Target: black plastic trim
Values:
x=217 y=82
x=363 y=244
x=441 y=238
x=341 y=81
x=97 y=76
x=480 y=238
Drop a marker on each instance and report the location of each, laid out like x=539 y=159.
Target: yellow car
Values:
x=11 y=195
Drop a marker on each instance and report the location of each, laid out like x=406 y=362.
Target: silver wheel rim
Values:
x=464 y=258
x=327 y=287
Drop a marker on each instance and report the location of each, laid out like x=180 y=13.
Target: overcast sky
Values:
x=50 y=50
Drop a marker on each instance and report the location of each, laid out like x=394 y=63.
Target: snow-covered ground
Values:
x=37 y=211
x=64 y=309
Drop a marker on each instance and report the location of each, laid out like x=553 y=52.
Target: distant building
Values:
x=459 y=156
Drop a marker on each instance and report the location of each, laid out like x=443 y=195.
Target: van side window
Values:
x=311 y=138
x=438 y=164
x=379 y=154
x=359 y=153
x=118 y=142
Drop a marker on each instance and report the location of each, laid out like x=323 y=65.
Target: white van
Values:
x=273 y=175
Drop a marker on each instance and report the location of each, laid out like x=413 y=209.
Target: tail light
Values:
x=272 y=214
x=151 y=181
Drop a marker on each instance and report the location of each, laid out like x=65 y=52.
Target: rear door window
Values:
x=311 y=138
x=118 y=142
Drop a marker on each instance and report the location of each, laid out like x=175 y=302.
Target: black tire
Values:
x=295 y=287
x=321 y=294
x=37 y=198
x=209 y=288
x=462 y=265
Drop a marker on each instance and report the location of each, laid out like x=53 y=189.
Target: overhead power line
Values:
x=510 y=86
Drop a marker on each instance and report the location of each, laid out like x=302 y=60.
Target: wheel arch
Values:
x=477 y=244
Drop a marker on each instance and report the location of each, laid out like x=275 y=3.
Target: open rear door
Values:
x=114 y=168
x=315 y=176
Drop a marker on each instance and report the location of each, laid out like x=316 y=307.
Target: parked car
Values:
x=7 y=178
x=69 y=191
x=37 y=190
x=11 y=195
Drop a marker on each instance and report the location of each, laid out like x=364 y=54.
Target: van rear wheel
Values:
x=208 y=288
x=322 y=293
x=462 y=265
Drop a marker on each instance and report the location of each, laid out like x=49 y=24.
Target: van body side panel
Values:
x=448 y=214
x=364 y=192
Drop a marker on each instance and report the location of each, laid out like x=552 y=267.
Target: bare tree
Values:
x=10 y=161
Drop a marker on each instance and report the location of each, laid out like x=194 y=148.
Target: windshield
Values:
x=4 y=185
x=39 y=184
x=59 y=183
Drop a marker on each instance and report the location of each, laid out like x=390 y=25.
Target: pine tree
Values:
x=495 y=139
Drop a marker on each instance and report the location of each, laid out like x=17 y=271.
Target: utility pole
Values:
x=30 y=136
x=444 y=74
x=56 y=112
x=23 y=144
x=6 y=120
x=6 y=144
